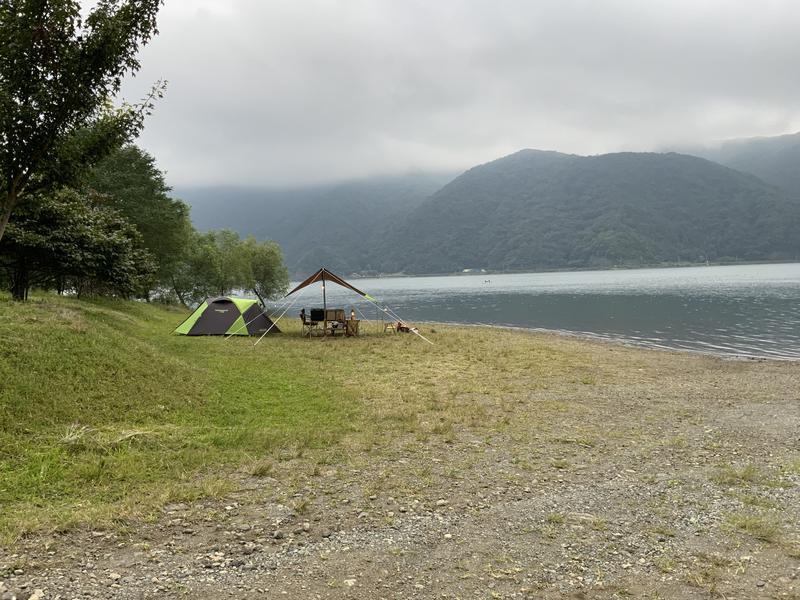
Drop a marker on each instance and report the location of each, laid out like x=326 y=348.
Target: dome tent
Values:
x=227 y=316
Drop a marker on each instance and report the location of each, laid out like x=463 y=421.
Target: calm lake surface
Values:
x=748 y=310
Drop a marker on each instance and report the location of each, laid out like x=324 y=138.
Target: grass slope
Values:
x=104 y=414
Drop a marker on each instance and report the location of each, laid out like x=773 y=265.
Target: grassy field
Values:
x=104 y=415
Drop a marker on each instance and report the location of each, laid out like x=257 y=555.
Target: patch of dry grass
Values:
x=732 y=476
x=761 y=527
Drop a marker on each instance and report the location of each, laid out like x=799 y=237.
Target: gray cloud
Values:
x=279 y=92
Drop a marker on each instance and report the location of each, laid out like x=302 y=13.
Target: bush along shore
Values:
x=493 y=464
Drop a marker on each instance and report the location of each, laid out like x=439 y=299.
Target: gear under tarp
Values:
x=227 y=316
x=324 y=276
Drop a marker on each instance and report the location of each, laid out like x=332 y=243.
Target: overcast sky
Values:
x=291 y=92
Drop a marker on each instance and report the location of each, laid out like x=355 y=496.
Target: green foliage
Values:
x=57 y=72
x=68 y=241
x=190 y=280
x=211 y=267
x=124 y=235
x=218 y=262
x=133 y=184
x=265 y=274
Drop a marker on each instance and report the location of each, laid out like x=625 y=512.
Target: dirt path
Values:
x=658 y=475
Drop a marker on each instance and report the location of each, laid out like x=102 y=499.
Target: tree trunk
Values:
x=6 y=207
x=20 y=282
x=263 y=304
x=178 y=294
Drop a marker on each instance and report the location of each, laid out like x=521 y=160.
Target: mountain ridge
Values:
x=532 y=209
x=535 y=209
x=774 y=159
x=317 y=224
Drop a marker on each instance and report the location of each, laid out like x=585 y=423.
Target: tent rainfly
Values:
x=227 y=316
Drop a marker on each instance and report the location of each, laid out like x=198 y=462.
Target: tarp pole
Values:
x=324 y=307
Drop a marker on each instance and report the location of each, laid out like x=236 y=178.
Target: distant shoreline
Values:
x=576 y=269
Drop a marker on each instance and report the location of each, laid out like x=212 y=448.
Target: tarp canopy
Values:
x=227 y=316
x=324 y=276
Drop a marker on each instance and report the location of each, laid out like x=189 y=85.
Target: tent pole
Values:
x=324 y=308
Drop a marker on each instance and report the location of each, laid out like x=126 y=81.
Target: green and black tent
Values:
x=228 y=316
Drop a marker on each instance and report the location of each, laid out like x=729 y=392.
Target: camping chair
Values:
x=309 y=326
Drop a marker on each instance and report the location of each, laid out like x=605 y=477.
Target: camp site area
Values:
x=490 y=463
x=231 y=316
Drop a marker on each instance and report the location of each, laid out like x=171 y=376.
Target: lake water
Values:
x=747 y=310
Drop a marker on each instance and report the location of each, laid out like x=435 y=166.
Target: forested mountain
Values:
x=336 y=225
x=537 y=209
x=776 y=160
x=530 y=210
